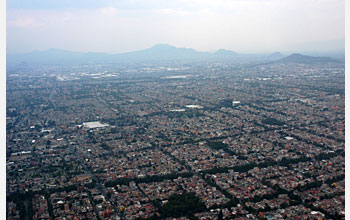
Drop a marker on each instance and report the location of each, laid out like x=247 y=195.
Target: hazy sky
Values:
x=206 y=25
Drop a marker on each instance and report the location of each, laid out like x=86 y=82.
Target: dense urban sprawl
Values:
x=184 y=141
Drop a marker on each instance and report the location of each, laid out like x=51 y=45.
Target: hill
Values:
x=299 y=58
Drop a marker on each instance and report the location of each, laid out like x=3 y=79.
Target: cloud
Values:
x=26 y=22
x=38 y=18
x=109 y=11
x=125 y=25
x=174 y=12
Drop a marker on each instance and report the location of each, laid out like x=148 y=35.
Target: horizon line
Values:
x=287 y=51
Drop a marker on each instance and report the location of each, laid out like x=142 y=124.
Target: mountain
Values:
x=162 y=52
x=275 y=56
x=157 y=53
x=223 y=52
x=56 y=56
x=299 y=58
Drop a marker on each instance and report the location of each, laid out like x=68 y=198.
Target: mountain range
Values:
x=159 y=52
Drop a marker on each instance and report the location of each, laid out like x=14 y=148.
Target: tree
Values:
x=220 y=215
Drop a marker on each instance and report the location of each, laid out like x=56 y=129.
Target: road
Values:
x=99 y=185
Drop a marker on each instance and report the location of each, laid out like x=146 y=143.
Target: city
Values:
x=172 y=140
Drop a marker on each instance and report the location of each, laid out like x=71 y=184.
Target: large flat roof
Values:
x=94 y=124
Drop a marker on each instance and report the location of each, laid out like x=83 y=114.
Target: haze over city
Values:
x=164 y=110
x=122 y=26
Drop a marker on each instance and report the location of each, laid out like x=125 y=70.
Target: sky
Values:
x=116 y=26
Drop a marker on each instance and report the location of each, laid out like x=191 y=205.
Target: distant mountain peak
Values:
x=223 y=52
x=169 y=48
x=162 y=46
x=275 y=55
x=300 y=58
x=297 y=55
